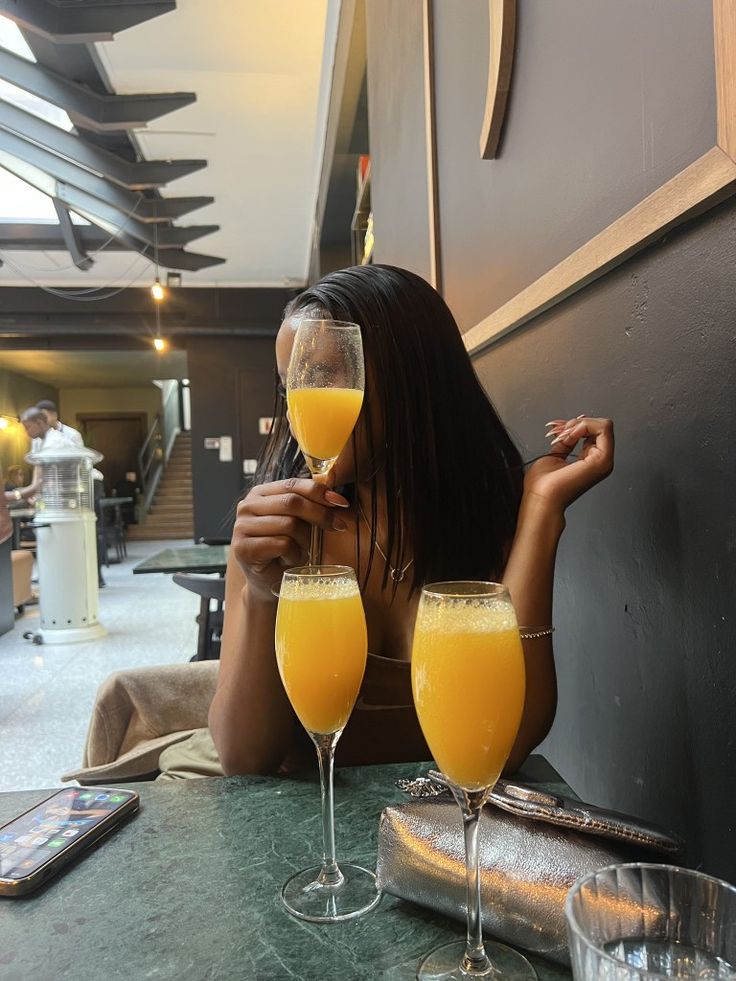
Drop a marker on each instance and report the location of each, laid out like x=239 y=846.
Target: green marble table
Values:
x=193 y=558
x=188 y=890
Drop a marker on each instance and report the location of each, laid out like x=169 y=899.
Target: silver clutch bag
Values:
x=532 y=847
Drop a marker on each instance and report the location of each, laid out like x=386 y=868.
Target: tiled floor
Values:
x=47 y=692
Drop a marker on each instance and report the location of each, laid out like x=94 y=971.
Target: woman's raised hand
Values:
x=556 y=481
x=273 y=523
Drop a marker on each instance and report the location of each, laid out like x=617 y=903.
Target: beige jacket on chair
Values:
x=139 y=713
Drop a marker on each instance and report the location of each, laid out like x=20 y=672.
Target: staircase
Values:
x=171 y=514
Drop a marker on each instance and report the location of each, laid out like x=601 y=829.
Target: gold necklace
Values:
x=396 y=574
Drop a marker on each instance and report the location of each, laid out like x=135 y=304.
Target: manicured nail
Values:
x=561 y=436
x=581 y=416
x=339 y=525
x=555 y=422
x=337 y=499
x=550 y=434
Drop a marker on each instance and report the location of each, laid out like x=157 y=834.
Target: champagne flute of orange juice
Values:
x=321 y=650
x=468 y=680
x=325 y=381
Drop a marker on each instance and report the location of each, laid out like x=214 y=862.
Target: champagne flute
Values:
x=468 y=681
x=321 y=649
x=325 y=382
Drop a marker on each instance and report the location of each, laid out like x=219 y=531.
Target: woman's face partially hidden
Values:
x=344 y=468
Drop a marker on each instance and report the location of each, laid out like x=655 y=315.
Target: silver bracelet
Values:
x=531 y=633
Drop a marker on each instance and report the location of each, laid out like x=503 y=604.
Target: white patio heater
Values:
x=66 y=546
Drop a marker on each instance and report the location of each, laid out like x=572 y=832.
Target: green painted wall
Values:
x=16 y=394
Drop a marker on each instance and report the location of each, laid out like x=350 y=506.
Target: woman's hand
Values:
x=273 y=527
x=553 y=480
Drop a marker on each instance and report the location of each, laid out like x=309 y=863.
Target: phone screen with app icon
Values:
x=35 y=843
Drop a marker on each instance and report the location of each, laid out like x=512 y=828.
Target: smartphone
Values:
x=36 y=844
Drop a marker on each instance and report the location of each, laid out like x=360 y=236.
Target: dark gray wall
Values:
x=608 y=100
x=232 y=383
x=644 y=604
x=397 y=130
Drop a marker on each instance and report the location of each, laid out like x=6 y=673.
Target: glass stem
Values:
x=315 y=538
x=330 y=874
x=475 y=960
x=315 y=546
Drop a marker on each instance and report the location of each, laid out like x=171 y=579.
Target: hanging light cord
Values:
x=84 y=294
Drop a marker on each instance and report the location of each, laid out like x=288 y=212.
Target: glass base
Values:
x=444 y=964
x=305 y=897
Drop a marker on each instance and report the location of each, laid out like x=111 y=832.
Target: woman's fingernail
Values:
x=561 y=436
x=339 y=525
x=581 y=416
x=337 y=499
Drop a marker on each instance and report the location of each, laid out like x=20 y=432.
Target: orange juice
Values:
x=322 y=419
x=321 y=648
x=467 y=672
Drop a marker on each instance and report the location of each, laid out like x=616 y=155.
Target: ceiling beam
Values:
x=117 y=224
x=164 y=209
x=121 y=225
x=71 y=239
x=85 y=22
x=132 y=175
x=187 y=261
x=37 y=237
x=91 y=109
x=70 y=325
x=130 y=202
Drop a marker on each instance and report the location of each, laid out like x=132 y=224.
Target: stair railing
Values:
x=151 y=465
x=156 y=450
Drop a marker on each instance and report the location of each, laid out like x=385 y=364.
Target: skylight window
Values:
x=31 y=103
x=20 y=202
x=12 y=40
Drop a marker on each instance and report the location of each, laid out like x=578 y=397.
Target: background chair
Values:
x=211 y=590
x=22 y=562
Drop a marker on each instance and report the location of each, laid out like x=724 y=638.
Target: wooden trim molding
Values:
x=502 y=35
x=701 y=185
x=430 y=129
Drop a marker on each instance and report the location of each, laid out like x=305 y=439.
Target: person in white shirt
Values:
x=52 y=413
x=43 y=437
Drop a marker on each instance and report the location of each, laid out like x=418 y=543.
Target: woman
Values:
x=14 y=478
x=431 y=489
x=15 y=493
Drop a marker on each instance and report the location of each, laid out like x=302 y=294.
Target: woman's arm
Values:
x=550 y=486
x=20 y=493
x=529 y=576
x=251 y=720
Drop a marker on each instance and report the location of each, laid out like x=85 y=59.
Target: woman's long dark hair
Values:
x=452 y=474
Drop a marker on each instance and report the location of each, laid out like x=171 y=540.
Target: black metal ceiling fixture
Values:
x=92 y=110
x=136 y=176
x=82 y=21
x=103 y=178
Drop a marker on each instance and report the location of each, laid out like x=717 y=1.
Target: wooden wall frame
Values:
x=705 y=182
x=502 y=37
x=430 y=132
